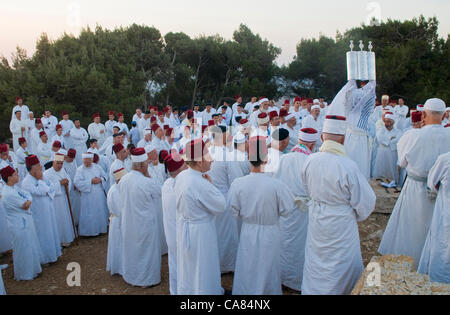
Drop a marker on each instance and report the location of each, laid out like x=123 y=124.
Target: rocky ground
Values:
x=95 y=280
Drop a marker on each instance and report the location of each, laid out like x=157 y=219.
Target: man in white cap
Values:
x=294 y=226
x=147 y=140
x=435 y=257
x=333 y=262
x=62 y=184
x=79 y=137
x=43 y=210
x=313 y=121
x=174 y=165
x=263 y=108
x=198 y=203
x=90 y=181
x=279 y=143
x=263 y=127
x=121 y=155
x=291 y=122
x=377 y=113
x=418 y=150
x=141 y=245
x=114 y=201
x=385 y=165
x=361 y=129
x=222 y=174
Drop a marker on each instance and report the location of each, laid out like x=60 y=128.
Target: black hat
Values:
x=280 y=134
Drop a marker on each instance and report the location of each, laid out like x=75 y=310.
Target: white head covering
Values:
x=315 y=107
x=289 y=117
x=389 y=116
x=88 y=155
x=435 y=104
x=147 y=132
x=335 y=121
x=149 y=148
x=139 y=158
x=316 y=101
x=308 y=136
x=263 y=100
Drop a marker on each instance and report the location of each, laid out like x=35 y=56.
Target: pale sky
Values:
x=282 y=22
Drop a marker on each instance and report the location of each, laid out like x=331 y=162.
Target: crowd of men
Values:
x=272 y=193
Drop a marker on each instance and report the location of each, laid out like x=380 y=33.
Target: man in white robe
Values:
x=222 y=174
x=19 y=129
x=418 y=150
x=340 y=197
x=175 y=165
x=62 y=183
x=59 y=137
x=114 y=200
x=121 y=155
x=294 y=226
x=279 y=143
x=435 y=257
x=20 y=107
x=259 y=200
x=21 y=154
x=91 y=180
x=67 y=125
x=34 y=136
x=141 y=245
x=385 y=165
x=49 y=123
x=110 y=124
x=43 y=210
x=27 y=254
x=198 y=203
x=70 y=166
x=44 y=149
x=97 y=130
x=79 y=137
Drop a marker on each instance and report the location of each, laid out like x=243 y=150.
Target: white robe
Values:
x=50 y=125
x=60 y=202
x=169 y=205
x=34 y=140
x=410 y=220
x=79 y=137
x=222 y=174
x=198 y=264
x=45 y=152
x=340 y=197
x=94 y=133
x=386 y=160
x=94 y=210
x=114 y=255
x=155 y=174
x=67 y=126
x=5 y=233
x=24 y=109
x=27 y=254
x=15 y=126
x=435 y=259
x=259 y=200
x=294 y=226
x=141 y=244
x=75 y=195
x=109 y=125
x=21 y=155
x=43 y=213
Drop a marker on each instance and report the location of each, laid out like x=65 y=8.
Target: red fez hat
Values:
x=297 y=99
x=153 y=119
x=257 y=148
x=195 y=150
x=310 y=101
x=237 y=97
x=262 y=115
x=190 y=114
x=389 y=113
x=3 y=148
x=309 y=130
x=273 y=114
x=72 y=153
x=204 y=128
x=56 y=144
x=42 y=133
x=31 y=160
x=38 y=121
x=173 y=162
x=6 y=172
x=110 y=113
x=119 y=115
x=210 y=123
x=118 y=147
x=160 y=113
x=166 y=109
x=169 y=131
x=96 y=115
x=166 y=127
x=163 y=154
x=58 y=127
x=96 y=157
x=155 y=127
x=138 y=151
x=416 y=117
x=243 y=121
x=283 y=112
x=22 y=140
x=64 y=113
x=18 y=98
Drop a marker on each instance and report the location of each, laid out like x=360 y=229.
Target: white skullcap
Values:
x=308 y=135
x=147 y=132
x=263 y=100
x=87 y=156
x=58 y=157
x=389 y=116
x=315 y=107
x=448 y=109
x=385 y=97
x=435 y=105
x=92 y=150
x=289 y=117
x=316 y=101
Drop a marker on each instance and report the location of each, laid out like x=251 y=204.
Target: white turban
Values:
x=435 y=105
